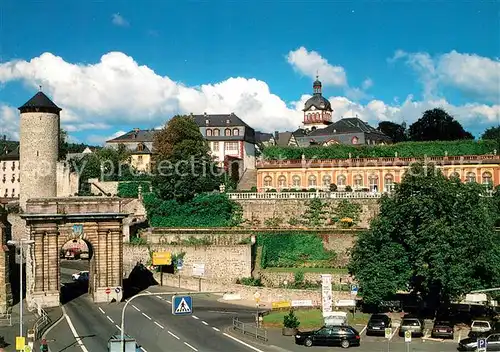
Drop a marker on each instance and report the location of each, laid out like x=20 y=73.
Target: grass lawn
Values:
x=310 y=319
x=308 y=270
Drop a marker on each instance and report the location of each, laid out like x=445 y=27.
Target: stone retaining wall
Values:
x=267 y=295
x=277 y=278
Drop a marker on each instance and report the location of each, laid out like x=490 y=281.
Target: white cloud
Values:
x=9 y=122
x=311 y=63
x=100 y=140
x=117 y=91
x=472 y=74
x=119 y=20
x=367 y=83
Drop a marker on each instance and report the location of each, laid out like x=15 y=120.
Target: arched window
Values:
x=209 y=132
x=282 y=181
x=358 y=181
x=354 y=140
x=487 y=179
x=388 y=183
x=296 y=181
x=327 y=180
x=140 y=148
x=236 y=132
x=312 y=181
x=216 y=132
x=341 y=180
x=268 y=181
x=471 y=177
x=227 y=132
x=455 y=175
x=373 y=183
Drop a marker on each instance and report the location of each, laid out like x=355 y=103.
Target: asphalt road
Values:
x=148 y=319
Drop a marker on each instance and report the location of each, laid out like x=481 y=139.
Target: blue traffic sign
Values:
x=354 y=290
x=482 y=345
x=180 y=264
x=182 y=305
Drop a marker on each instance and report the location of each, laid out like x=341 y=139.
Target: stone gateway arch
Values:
x=51 y=222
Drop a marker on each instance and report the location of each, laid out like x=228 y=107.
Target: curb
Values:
x=230 y=331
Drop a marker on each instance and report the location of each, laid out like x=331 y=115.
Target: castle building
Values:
x=228 y=136
x=9 y=174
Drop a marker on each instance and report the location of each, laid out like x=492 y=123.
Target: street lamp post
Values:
x=21 y=244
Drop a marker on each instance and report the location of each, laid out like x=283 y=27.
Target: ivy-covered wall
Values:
x=403 y=150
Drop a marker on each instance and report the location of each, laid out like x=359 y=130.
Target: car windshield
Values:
x=481 y=324
x=376 y=321
x=442 y=323
x=411 y=322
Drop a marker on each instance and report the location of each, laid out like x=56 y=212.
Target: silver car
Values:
x=480 y=326
x=414 y=325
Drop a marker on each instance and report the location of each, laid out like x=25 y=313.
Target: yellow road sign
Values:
x=20 y=343
x=388 y=333
x=162 y=258
x=281 y=304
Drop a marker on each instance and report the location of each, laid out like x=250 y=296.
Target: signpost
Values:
x=354 y=290
x=388 y=334
x=160 y=259
x=407 y=340
x=180 y=264
x=482 y=344
x=256 y=296
x=326 y=293
x=182 y=305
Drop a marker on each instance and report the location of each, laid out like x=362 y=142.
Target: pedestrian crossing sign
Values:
x=182 y=305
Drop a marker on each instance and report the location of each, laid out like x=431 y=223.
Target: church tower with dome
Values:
x=317 y=109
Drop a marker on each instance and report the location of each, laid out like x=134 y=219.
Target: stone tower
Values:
x=39 y=148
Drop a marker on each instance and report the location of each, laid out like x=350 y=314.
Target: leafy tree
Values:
x=183 y=165
x=393 y=130
x=63 y=144
x=347 y=209
x=491 y=133
x=424 y=238
x=316 y=213
x=437 y=125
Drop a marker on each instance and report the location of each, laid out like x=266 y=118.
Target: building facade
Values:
x=228 y=137
x=10 y=174
x=375 y=175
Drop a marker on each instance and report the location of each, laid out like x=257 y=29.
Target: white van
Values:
x=335 y=318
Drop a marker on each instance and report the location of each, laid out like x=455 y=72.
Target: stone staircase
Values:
x=247 y=180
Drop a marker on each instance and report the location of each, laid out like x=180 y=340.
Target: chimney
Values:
x=136 y=130
x=205 y=114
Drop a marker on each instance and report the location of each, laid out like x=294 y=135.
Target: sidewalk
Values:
x=29 y=319
x=10 y=332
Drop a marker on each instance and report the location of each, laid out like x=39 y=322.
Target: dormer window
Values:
x=227 y=132
x=209 y=132
x=140 y=147
x=354 y=140
x=236 y=132
x=228 y=121
x=216 y=132
x=207 y=122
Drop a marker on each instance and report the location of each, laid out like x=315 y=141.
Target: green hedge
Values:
x=404 y=150
x=294 y=250
x=131 y=189
x=205 y=210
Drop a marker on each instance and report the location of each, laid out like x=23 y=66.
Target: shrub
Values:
x=131 y=189
x=249 y=281
x=290 y=320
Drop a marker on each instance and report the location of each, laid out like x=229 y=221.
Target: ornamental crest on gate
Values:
x=78 y=230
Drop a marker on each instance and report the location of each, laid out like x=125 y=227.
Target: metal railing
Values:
x=305 y=195
x=41 y=323
x=6 y=319
x=250 y=329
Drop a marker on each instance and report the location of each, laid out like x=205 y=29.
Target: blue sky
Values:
x=116 y=65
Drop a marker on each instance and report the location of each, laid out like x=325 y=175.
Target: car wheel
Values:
x=345 y=344
x=308 y=343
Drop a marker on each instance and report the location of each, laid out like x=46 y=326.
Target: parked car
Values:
x=344 y=336
x=443 y=329
x=82 y=276
x=480 y=326
x=412 y=324
x=470 y=343
x=377 y=324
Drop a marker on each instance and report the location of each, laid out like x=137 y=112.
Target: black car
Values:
x=470 y=343
x=443 y=329
x=344 y=336
x=377 y=324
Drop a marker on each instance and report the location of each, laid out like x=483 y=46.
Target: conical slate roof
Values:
x=40 y=102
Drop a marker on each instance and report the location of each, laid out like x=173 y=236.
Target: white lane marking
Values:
x=160 y=297
x=143 y=350
x=111 y=320
x=102 y=311
x=213 y=327
x=204 y=322
x=195 y=317
x=119 y=328
x=161 y=327
x=168 y=301
x=223 y=312
x=148 y=292
x=51 y=327
x=146 y=316
x=243 y=343
x=191 y=347
x=137 y=309
x=362 y=331
x=73 y=331
x=173 y=335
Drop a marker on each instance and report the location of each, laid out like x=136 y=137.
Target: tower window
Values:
x=37 y=153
